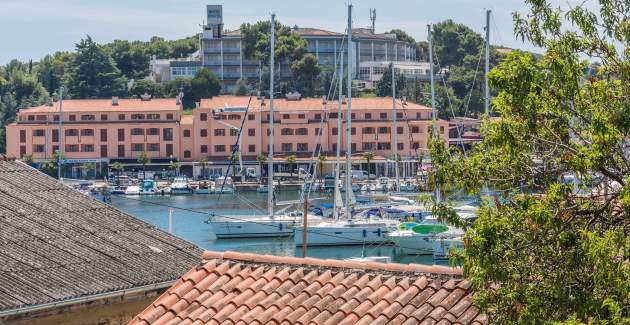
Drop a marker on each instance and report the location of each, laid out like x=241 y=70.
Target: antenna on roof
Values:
x=373 y=19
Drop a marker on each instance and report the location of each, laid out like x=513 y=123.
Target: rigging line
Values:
x=496 y=28
x=212 y=214
x=472 y=86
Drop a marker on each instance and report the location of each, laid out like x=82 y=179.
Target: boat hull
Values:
x=253 y=229
x=341 y=236
x=414 y=245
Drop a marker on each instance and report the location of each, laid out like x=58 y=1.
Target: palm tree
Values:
x=291 y=159
x=368 y=156
x=203 y=162
x=144 y=160
x=261 y=160
x=118 y=167
x=175 y=165
x=86 y=167
x=320 y=165
x=49 y=167
x=28 y=159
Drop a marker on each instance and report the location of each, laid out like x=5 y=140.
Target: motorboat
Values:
x=180 y=185
x=382 y=184
x=368 y=187
x=442 y=247
x=417 y=238
x=132 y=190
x=147 y=187
x=408 y=186
x=204 y=187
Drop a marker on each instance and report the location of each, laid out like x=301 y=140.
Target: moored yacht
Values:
x=180 y=185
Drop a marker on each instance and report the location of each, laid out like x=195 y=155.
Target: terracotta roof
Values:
x=304 y=104
x=240 y=288
x=98 y=105
x=57 y=244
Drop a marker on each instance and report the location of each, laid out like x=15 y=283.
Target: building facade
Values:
x=103 y=131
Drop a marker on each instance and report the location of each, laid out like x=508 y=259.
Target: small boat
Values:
x=330 y=183
x=379 y=259
x=180 y=185
x=408 y=186
x=417 y=239
x=147 y=187
x=205 y=187
x=369 y=187
x=132 y=190
x=383 y=184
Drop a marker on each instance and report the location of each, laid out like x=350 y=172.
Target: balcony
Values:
x=231 y=49
x=232 y=62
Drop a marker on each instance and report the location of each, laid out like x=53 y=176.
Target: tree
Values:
x=452 y=42
x=306 y=70
x=261 y=160
x=321 y=159
x=205 y=84
x=241 y=88
x=384 y=86
x=177 y=85
x=368 y=156
x=49 y=167
x=28 y=159
x=175 y=166
x=544 y=251
x=94 y=74
x=146 y=86
x=130 y=57
x=144 y=159
x=291 y=159
x=203 y=162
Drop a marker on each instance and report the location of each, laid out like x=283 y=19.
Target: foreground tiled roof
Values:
x=98 y=105
x=237 y=288
x=57 y=244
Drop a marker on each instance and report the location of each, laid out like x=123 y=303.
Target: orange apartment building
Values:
x=103 y=131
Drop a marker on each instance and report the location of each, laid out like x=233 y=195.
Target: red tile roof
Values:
x=103 y=105
x=304 y=104
x=241 y=288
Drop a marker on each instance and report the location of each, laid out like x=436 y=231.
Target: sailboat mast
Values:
x=337 y=162
x=486 y=103
x=271 y=89
x=349 y=120
x=433 y=112
x=395 y=128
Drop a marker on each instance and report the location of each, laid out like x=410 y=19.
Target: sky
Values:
x=30 y=29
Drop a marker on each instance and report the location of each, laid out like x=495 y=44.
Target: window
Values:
x=401 y=146
x=22 y=151
x=153 y=147
x=203 y=116
x=137 y=131
x=87 y=148
x=55 y=148
x=31 y=117
x=137 y=147
x=72 y=148
x=318 y=116
x=333 y=115
x=233 y=132
x=219 y=148
x=441 y=129
x=88 y=117
x=104 y=151
x=251 y=132
x=301 y=116
x=41 y=117
x=400 y=130
x=353 y=131
x=55 y=135
x=219 y=132
x=167 y=135
x=121 y=150
x=415 y=129
x=287 y=147
x=153 y=131
x=234 y=117
x=121 y=117
x=334 y=131
x=137 y=116
x=368 y=116
x=384 y=116
x=334 y=147
x=419 y=115
x=56 y=118
x=103 y=134
x=38 y=148
x=399 y=115
x=233 y=148
x=301 y=131
x=252 y=148
x=368 y=130
x=72 y=132
x=203 y=133
x=415 y=145
x=384 y=146
x=367 y=146
x=169 y=116
x=204 y=148
x=72 y=118
x=186 y=153
x=104 y=117
x=286 y=131
x=353 y=147
x=169 y=149
x=38 y=133
x=286 y=116
x=186 y=133
x=23 y=136
x=153 y=116
x=251 y=117
x=318 y=131
x=302 y=147
x=87 y=132
x=383 y=130
x=353 y=116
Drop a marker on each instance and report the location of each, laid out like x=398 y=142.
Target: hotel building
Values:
x=104 y=131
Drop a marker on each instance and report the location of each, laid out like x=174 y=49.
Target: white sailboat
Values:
x=346 y=229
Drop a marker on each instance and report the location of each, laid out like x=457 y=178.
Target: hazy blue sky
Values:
x=29 y=29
